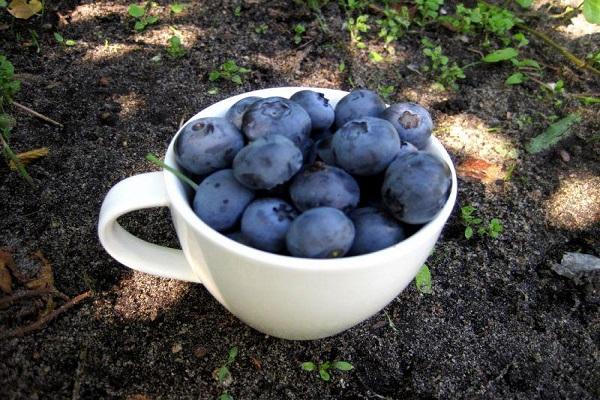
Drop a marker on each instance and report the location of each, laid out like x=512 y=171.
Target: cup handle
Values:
x=136 y=193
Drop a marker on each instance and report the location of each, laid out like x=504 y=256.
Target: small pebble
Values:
x=176 y=348
x=564 y=155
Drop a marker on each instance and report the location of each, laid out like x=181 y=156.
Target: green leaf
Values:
x=375 y=56
x=496 y=227
x=174 y=41
x=151 y=20
x=243 y=70
x=3 y=3
x=213 y=91
x=223 y=373
x=468 y=232
x=515 y=79
x=501 y=55
x=59 y=38
x=177 y=8
x=525 y=3
x=591 y=11
x=519 y=37
x=555 y=133
x=587 y=100
x=136 y=11
x=324 y=374
x=308 y=366
x=236 y=79
x=233 y=352
x=6 y=122
x=343 y=365
x=225 y=396
x=139 y=25
x=528 y=62
x=70 y=42
x=214 y=75
x=423 y=280
x=229 y=66
x=342 y=67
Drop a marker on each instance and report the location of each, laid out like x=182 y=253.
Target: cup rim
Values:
x=178 y=201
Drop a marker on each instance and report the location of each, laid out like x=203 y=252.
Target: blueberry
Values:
x=365 y=146
x=220 y=200
x=324 y=150
x=236 y=112
x=357 y=104
x=238 y=237
x=406 y=148
x=267 y=162
x=375 y=230
x=265 y=223
x=412 y=122
x=416 y=187
x=322 y=232
x=322 y=185
x=206 y=145
x=317 y=106
x=309 y=151
x=276 y=116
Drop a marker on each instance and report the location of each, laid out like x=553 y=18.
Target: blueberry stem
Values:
x=153 y=159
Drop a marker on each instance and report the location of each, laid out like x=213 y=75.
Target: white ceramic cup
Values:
x=282 y=296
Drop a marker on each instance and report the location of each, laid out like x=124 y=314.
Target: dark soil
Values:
x=499 y=323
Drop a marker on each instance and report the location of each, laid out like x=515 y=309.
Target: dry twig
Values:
x=47 y=318
x=36 y=114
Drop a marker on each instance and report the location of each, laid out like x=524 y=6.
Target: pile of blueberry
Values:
x=294 y=176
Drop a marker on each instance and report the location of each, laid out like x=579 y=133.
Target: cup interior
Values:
x=179 y=194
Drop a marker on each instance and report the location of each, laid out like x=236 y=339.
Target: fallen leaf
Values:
x=138 y=397
x=5 y=279
x=200 y=352
x=256 y=362
x=29 y=156
x=555 y=133
x=477 y=170
x=24 y=9
x=577 y=265
x=45 y=277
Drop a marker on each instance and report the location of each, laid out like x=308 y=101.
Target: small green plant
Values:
x=9 y=86
x=177 y=8
x=65 y=42
x=223 y=374
x=229 y=71
x=428 y=9
x=237 y=11
x=34 y=40
x=394 y=25
x=356 y=26
x=175 y=48
x=493 y=229
x=261 y=29
x=446 y=73
x=324 y=368
x=142 y=16
x=525 y=68
x=375 y=57
x=354 y=5
x=423 y=280
x=593 y=58
x=299 y=30
x=386 y=91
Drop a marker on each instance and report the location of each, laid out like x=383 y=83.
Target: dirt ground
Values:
x=500 y=323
